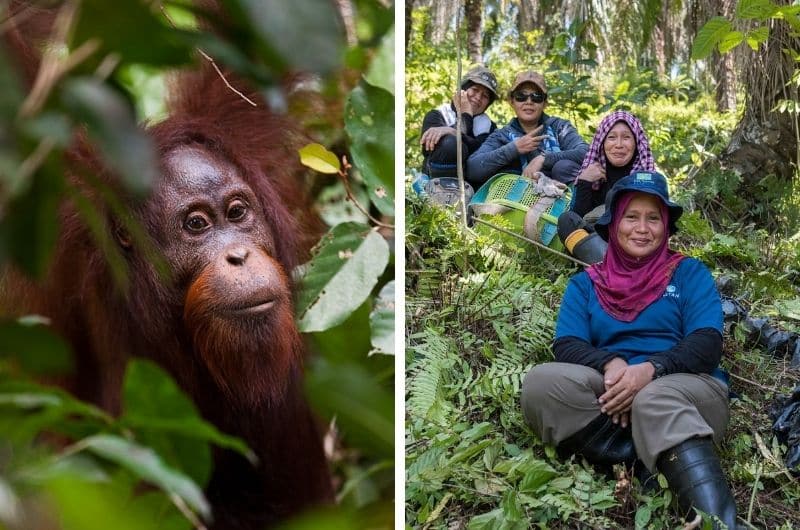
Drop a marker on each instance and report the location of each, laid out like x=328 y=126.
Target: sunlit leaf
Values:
x=345 y=268
x=757 y=37
x=319 y=159
x=381 y=71
x=730 y=41
x=709 y=36
x=757 y=9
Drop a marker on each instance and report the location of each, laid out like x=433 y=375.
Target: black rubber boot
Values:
x=694 y=474
x=602 y=442
x=579 y=239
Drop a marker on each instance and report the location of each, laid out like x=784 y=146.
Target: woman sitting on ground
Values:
x=530 y=143
x=619 y=147
x=478 y=91
x=637 y=348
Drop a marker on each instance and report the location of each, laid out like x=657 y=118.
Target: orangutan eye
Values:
x=237 y=211
x=196 y=222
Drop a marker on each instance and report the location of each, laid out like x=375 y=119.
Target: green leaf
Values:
x=319 y=159
x=82 y=505
x=364 y=410
x=112 y=126
x=381 y=321
x=120 y=27
x=757 y=37
x=29 y=229
x=709 y=36
x=643 y=515
x=35 y=347
x=730 y=41
x=536 y=475
x=369 y=122
x=305 y=34
x=788 y=308
x=147 y=465
x=341 y=275
x=755 y=9
x=10 y=507
x=381 y=70
x=168 y=421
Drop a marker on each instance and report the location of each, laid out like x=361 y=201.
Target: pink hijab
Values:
x=625 y=286
x=642 y=159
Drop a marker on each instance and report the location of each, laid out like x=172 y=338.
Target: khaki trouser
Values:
x=559 y=399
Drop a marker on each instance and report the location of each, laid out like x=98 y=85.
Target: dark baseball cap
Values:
x=480 y=75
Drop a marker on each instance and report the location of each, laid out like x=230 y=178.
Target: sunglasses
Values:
x=535 y=97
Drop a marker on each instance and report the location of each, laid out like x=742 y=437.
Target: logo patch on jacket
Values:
x=672 y=291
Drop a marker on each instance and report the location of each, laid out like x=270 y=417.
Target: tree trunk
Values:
x=409 y=18
x=765 y=141
x=725 y=69
x=474 y=13
x=442 y=13
x=659 y=50
x=726 y=83
x=526 y=21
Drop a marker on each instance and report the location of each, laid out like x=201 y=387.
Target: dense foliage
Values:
x=65 y=463
x=481 y=309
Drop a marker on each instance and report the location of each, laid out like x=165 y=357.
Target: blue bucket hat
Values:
x=650 y=182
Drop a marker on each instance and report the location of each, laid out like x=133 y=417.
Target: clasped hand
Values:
x=622 y=383
x=592 y=173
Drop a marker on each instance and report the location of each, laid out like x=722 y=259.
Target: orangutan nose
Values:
x=237 y=256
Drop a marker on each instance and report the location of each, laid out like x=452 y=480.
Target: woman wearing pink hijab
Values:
x=637 y=348
x=619 y=147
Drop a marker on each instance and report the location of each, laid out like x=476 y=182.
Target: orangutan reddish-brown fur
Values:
x=230 y=220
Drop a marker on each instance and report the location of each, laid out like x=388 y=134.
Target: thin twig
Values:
x=532 y=242
x=213 y=63
x=343 y=176
x=748 y=381
x=753 y=494
x=35 y=159
x=187 y=512
x=53 y=67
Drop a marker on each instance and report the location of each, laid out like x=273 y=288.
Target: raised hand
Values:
x=530 y=141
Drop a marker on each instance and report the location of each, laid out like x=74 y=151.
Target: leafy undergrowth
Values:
x=480 y=312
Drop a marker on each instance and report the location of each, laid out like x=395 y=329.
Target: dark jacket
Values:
x=498 y=154
x=442 y=160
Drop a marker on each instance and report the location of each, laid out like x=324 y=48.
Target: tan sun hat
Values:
x=480 y=75
x=529 y=77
